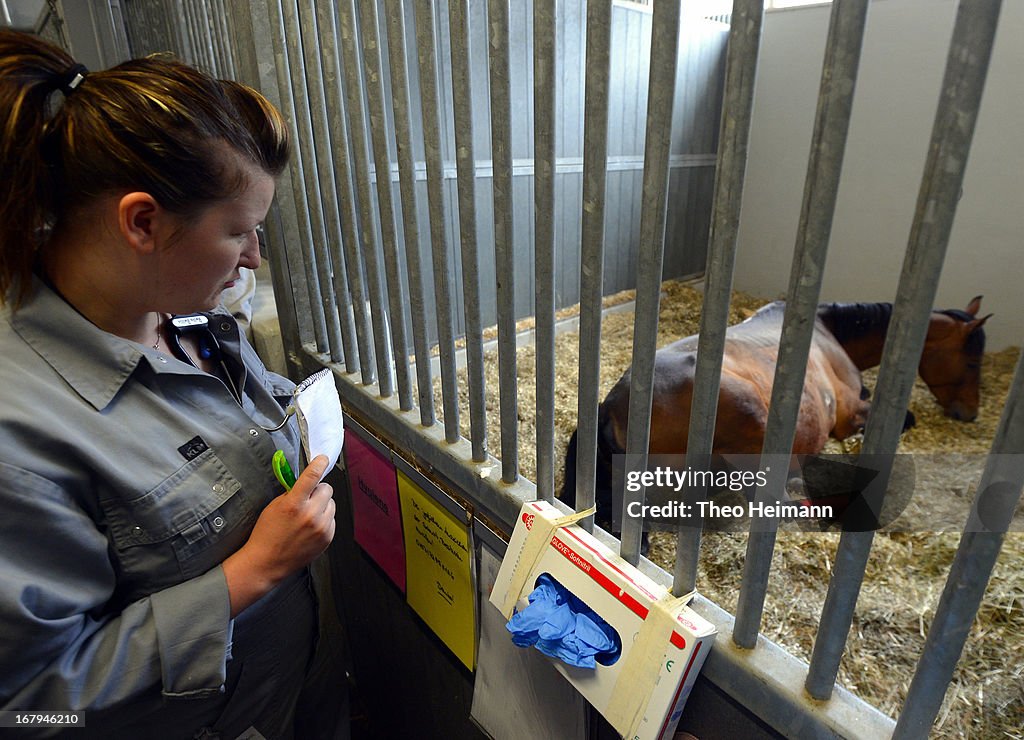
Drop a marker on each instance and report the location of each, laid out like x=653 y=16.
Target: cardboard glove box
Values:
x=664 y=642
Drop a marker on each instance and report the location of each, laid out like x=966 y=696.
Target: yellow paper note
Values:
x=439 y=585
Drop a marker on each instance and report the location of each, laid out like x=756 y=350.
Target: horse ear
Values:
x=974 y=306
x=977 y=323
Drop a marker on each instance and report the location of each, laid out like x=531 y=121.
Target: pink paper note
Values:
x=375 y=509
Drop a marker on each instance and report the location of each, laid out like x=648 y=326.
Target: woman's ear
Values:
x=138 y=219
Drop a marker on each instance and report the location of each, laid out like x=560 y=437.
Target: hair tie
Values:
x=72 y=78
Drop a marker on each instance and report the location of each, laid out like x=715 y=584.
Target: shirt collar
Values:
x=95 y=363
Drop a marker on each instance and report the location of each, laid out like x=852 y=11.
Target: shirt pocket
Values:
x=184 y=526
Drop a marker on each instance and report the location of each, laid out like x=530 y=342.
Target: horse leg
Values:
x=607 y=447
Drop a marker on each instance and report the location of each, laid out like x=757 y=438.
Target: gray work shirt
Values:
x=128 y=477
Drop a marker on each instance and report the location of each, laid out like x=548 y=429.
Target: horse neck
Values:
x=860 y=328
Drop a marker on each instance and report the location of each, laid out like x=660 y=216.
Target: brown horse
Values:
x=847 y=338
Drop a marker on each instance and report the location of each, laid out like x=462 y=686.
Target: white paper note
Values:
x=319 y=411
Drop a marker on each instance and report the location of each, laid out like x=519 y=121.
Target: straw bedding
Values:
x=906 y=570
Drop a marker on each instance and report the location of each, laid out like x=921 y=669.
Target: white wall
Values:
x=897 y=92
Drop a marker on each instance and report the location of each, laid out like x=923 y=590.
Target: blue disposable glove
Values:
x=561 y=626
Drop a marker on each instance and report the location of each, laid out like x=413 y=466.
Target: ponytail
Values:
x=30 y=72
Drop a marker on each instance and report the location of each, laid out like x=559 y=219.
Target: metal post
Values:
x=966 y=67
x=999 y=492
x=344 y=197
x=544 y=19
x=661 y=91
x=304 y=236
x=442 y=260
x=306 y=153
x=328 y=228
x=504 y=262
x=373 y=66
x=345 y=19
x=740 y=72
x=595 y=168
x=466 y=164
x=824 y=167
x=407 y=182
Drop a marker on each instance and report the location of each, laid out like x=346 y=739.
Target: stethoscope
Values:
x=209 y=349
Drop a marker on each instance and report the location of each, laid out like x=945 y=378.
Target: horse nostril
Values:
x=960 y=414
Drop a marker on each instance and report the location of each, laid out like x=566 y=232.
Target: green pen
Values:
x=283 y=470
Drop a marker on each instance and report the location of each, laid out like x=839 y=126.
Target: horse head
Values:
x=951 y=360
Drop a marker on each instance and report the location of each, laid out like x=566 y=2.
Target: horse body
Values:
x=847 y=338
x=830 y=403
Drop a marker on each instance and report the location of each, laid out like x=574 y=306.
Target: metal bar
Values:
x=442 y=260
x=504 y=260
x=306 y=146
x=544 y=81
x=658 y=137
x=223 y=30
x=302 y=237
x=999 y=492
x=207 y=22
x=373 y=66
x=204 y=37
x=345 y=17
x=595 y=167
x=734 y=136
x=824 y=167
x=964 y=80
x=338 y=127
x=195 y=45
x=461 y=102
x=407 y=182
x=329 y=239
x=251 y=24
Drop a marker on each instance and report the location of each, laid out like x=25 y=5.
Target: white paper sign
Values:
x=319 y=411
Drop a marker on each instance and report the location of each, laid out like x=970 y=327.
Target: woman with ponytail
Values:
x=155 y=577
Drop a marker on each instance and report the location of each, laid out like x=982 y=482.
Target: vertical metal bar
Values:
x=595 y=165
x=824 y=166
x=373 y=67
x=964 y=80
x=407 y=182
x=442 y=260
x=251 y=22
x=304 y=235
x=999 y=492
x=466 y=164
x=734 y=136
x=338 y=124
x=195 y=45
x=544 y=80
x=307 y=155
x=208 y=21
x=226 y=36
x=658 y=137
x=504 y=261
x=327 y=229
x=345 y=17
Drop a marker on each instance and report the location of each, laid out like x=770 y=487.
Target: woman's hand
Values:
x=294 y=528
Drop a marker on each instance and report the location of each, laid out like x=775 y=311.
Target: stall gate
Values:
x=357 y=78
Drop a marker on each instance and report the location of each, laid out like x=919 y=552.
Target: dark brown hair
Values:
x=154 y=125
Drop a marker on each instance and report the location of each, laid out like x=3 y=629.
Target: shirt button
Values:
x=218 y=522
x=162 y=359
x=254 y=433
x=217 y=488
x=225 y=326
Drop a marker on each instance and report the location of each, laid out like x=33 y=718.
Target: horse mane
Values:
x=851 y=321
